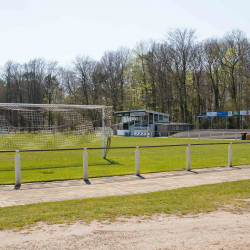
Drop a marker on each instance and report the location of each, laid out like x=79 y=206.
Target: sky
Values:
x=62 y=29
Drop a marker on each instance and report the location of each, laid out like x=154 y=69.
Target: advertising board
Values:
x=245 y=112
x=222 y=114
x=138 y=114
x=211 y=114
x=236 y=113
x=203 y=114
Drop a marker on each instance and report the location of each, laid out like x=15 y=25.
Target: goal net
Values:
x=42 y=126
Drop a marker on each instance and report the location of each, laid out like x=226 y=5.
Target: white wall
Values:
x=122 y=132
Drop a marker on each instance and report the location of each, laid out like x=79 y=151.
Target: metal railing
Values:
x=203 y=135
x=137 y=156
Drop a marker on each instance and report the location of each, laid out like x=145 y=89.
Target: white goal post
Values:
x=37 y=126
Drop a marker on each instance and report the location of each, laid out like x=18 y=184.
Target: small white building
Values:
x=138 y=122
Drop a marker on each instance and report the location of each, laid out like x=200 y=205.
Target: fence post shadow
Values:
x=17 y=187
x=87 y=182
x=141 y=177
x=192 y=171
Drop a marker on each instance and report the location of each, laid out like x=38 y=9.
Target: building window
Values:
x=181 y=127
x=160 y=117
x=173 y=127
x=155 y=117
x=150 y=118
x=177 y=127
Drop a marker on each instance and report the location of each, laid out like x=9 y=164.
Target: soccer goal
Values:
x=41 y=126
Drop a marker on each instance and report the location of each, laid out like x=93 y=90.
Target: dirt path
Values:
x=216 y=230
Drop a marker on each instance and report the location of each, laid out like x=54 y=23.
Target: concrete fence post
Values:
x=230 y=156
x=17 y=169
x=137 y=161
x=85 y=165
x=188 y=158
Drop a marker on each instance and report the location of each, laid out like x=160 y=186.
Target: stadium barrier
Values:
x=204 y=135
x=137 y=156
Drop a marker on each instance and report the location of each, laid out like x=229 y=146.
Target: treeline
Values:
x=180 y=76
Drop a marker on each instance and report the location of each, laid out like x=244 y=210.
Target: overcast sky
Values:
x=61 y=29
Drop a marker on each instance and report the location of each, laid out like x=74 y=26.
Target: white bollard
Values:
x=17 y=169
x=199 y=135
x=188 y=158
x=230 y=156
x=85 y=165
x=137 y=161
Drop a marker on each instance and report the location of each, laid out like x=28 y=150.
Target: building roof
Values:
x=173 y=123
x=143 y=110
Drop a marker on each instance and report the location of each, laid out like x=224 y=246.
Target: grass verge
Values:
x=180 y=201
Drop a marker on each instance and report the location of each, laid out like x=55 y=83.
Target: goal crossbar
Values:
x=54 y=106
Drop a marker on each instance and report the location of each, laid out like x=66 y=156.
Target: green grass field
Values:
x=62 y=165
x=180 y=201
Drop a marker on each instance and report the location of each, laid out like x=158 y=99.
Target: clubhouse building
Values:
x=146 y=123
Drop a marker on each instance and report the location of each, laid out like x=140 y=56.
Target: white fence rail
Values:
x=137 y=157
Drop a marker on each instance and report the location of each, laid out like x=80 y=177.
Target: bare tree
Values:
x=34 y=74
x=234 y=47
x=83 y=70
x=180 y=46
x=197 y=68
x=112 y=69
x=212 y=67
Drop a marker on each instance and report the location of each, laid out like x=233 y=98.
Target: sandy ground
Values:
x=216 y=230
